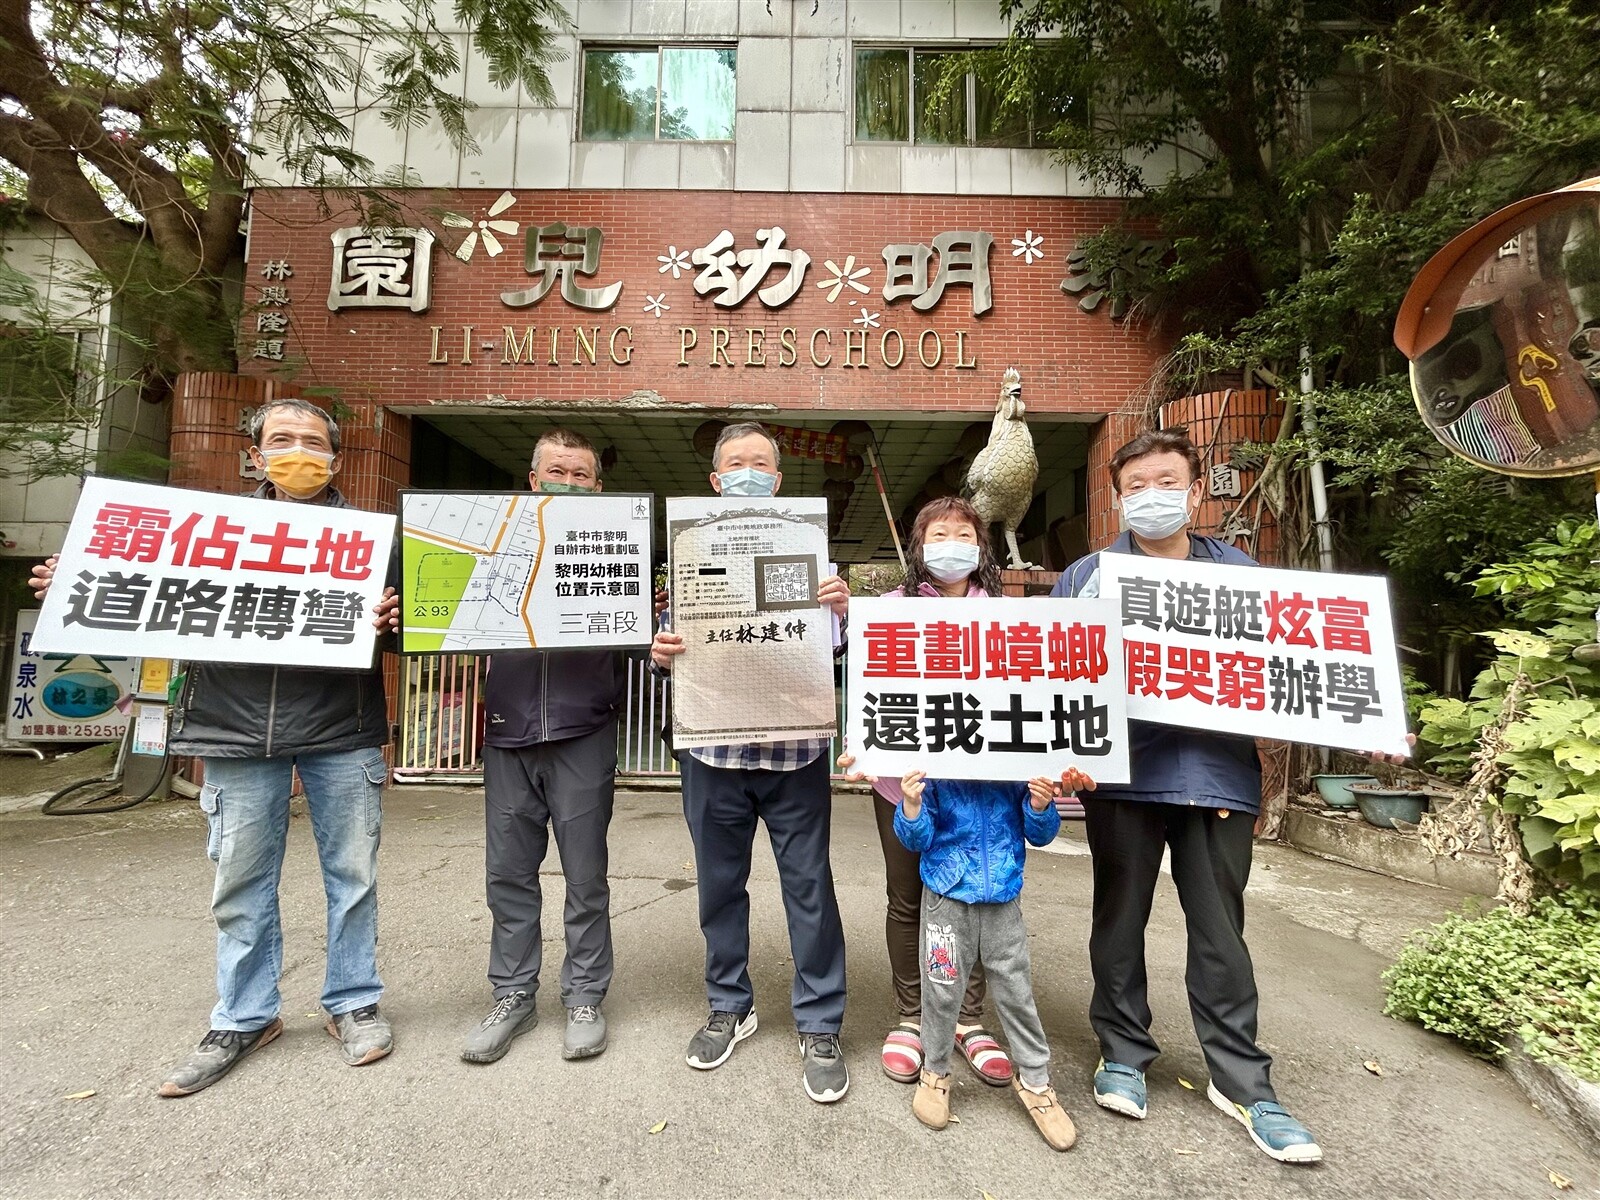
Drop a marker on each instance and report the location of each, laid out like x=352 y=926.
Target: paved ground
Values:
x=107 y=976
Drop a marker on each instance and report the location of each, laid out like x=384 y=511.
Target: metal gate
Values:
x=441 y=721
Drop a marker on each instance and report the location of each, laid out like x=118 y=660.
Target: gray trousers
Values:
x=568 y=786
x=954 y=936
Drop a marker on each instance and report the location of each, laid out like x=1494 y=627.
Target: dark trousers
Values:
x=568 y=786
x=1210 y=866
x=721 y=806
x=902 y=925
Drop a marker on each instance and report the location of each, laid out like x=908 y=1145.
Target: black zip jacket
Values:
x=248 y=710
x=536 y=696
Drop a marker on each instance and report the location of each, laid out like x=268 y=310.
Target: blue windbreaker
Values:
x=970 y=836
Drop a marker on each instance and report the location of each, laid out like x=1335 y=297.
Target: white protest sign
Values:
x=758 y=659
x=485 y=571
x=171 y=573
x=1302 y=656
x=980 y=688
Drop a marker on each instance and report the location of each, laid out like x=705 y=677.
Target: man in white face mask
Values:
x=1197 y=793
x=786 y=786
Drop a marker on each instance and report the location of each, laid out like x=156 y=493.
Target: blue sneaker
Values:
x=1119 y=1088
x=1271 y=1127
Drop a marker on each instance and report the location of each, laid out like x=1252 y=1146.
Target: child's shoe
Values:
x=931 y=1104
x=1047 y=1114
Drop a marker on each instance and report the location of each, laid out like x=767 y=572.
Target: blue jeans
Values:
x=246 y=802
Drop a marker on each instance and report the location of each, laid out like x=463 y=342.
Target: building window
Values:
x=894 y=86
x=671 y=93
x=44 y=376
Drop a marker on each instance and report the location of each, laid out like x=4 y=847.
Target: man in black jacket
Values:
x=253 y=727
x=549 y=762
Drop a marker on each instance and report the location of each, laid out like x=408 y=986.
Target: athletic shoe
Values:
x=1120 y=1088
x=715 y=1040
x=586 y=1032
x=363 y=1035
x=511 y=1017
x=1271 y=1128
x=217 y=1054
x=825 y=1076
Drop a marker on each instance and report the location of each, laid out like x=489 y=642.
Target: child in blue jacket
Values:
x=970 y=836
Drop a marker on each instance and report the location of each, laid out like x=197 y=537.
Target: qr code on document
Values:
x=786 y=581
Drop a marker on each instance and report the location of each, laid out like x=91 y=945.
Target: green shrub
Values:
x=1479 y=978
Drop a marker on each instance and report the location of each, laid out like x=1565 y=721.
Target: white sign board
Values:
x=66 y=697
x=977 y=688
x=173 y=573
x=1302 y=656
x=758 y=660
x=485 y=571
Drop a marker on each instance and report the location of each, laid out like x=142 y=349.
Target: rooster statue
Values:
x=1000 y=481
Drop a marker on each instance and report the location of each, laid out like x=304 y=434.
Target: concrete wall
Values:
x=794 y=127
x=34 y=516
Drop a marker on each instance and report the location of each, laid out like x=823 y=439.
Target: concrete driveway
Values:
x=107 y=977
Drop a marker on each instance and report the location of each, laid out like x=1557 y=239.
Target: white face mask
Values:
x=949 y=562
x=747 y=481
x=1156 y=513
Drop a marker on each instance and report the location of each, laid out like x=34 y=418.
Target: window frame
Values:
x=83 y=408
x=654 y=47
x=970 y=96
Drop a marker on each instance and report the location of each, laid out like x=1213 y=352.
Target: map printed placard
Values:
x=987 y=688
x=65 y=697
x=172 y=573
x=1302 y=656
x=486 y=571
x=758 y=659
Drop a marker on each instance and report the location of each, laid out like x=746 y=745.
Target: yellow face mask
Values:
x=297 y=472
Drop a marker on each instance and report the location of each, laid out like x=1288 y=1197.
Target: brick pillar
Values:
x=208 y=409
x=1217 y=422
x=377 y=457
x=1112 y=433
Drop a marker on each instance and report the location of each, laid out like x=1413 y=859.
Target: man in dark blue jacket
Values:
x=549 y=761
x=1198 y=793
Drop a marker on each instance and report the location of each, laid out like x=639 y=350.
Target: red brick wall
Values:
x=1217 y=421
x=1071 y=362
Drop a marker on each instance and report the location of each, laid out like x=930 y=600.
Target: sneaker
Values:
x=512 y=1015
x=1271 y=1128
x=214 y=1057
x=714 y=1041
x=931 y=1104
x=1048 y=1115
x=586 y=1032
x=1120 y=1088
x=826 y=1077
x=364 y=1035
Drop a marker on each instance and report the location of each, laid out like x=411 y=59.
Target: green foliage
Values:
x=1323 y=154
x=1551 y=755
x=140 y=127
x=1482 y=978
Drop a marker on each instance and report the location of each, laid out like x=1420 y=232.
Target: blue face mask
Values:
x=950 y=561
x=747 y=481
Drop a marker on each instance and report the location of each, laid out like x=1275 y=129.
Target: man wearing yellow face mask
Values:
x=253 y=727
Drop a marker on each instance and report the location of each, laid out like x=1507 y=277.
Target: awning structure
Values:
x=655 y=451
